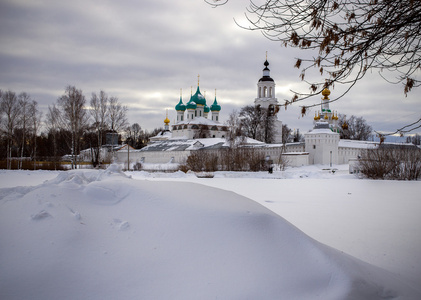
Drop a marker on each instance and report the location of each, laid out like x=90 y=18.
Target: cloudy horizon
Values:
x=144 y=52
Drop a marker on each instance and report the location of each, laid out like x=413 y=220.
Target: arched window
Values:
x=195 y=127
x=214 y=128
x=271 y=110
x=270 y=92
x=265 y=90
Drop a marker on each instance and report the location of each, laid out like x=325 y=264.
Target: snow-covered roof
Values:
x=193 y=144
x=357 y=144
x=172 y=145
x=321 y=130
x=369 y=144
x=163 y=135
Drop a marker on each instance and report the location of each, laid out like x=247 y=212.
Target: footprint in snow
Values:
x=42 y=215
x=121 y=225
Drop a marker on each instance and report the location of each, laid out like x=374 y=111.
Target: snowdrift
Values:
x=102 y=235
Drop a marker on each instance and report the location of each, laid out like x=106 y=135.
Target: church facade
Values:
x=196 y=119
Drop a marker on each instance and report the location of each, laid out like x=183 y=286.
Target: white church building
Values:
x=198 y=126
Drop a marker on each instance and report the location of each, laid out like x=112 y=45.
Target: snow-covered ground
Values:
x=90 y=234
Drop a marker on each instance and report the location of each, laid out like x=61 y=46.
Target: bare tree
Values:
x=257 y=123
x=133 y=135
x=53 y=125
x=136 y=131
x=23 y=121
x=415 y=139
x=354 y=128
x=268 y=126
x=35 y=118
x=234 y=135
x=251 y=117
x=99 y=111
x=344 y=40
x=73 y=117
x=9 y=106
x=117 y=115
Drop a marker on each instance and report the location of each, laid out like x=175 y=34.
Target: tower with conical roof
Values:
x=266 y=99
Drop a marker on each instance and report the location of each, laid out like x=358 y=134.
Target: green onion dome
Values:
x=198 y=98
x=206 y=109
x=180 y=106
x=215 y=106
x=191 y=104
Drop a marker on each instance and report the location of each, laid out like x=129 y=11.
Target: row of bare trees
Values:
x=70 y=113
x=227 y=159
x=70 y=120
x=20 y=122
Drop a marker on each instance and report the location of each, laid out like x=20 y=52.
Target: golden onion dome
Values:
x=326 y=94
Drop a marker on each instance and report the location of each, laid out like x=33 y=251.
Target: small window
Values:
x=314 y=146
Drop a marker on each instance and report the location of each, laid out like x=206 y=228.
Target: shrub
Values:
x=397 y=163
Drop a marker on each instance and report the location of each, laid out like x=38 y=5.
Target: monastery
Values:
x=198 y=126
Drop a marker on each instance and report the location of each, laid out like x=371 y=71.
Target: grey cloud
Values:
x=143 y=52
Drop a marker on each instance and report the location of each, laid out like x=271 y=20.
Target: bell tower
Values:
x=266 y=99
x=266 y=89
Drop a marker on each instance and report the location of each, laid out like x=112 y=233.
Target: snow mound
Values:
x=80 y=177
x=100 y=235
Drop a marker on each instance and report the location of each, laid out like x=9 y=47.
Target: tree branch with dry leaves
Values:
x=345 y=39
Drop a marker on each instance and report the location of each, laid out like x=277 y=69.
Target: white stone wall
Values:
x=153 y=157
x=296 y=159
x=345 y=154
x=189 y=133
x=297 y=154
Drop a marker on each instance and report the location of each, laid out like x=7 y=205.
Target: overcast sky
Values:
x=144 y=52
